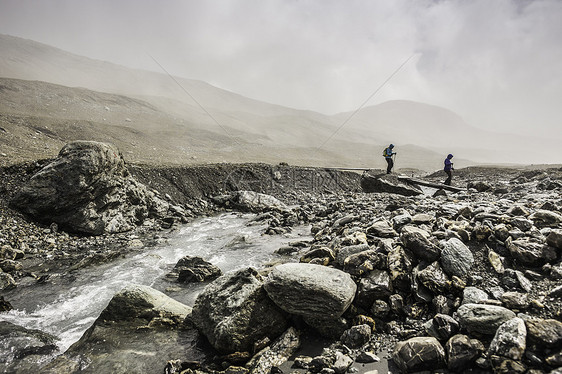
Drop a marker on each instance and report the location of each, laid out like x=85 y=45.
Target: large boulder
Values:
x=387 y=183
x=417 y=354
x=456 y=258
x=309 y=290
x=483 y=318
x=87 y=189
x=234 y=312
x=138 y=322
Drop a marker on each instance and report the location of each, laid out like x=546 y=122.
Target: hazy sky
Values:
x=497 y=63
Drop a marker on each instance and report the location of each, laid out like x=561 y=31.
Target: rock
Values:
x=144 y=302
x=342 y=363
x=345 y=252
x=380 y=309
x=482 y=318
x=473 y=295
x=420 y=246
x=544 y=332
x=7 y=282
x=276 y=354
x=367 y=357
x=356 y=336
x=387 y=183
x=510 y=340
x=234 y=311
x=382 y=229
x=515 y=300
x=496 y=261
x=442 y=327
x=400 y=267
x=479 y=186
x=331 y=328
x=87 y=189
x=530 y=253
x=310 y=290
x=22 y=348
x=546 y=218
x=363 y=262
x=462 y=352
x=422 y=218
x=375 y=286
x=456 y=258
x=419 y=353
x=195 y=269
x=554 y=239
x=434 y=278
x=502 y=365
x=319 y=255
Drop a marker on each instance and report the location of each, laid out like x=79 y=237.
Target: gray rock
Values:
x=144 y=302
x=482 y=318
x=22 y=349
x=530 y=253
x=434 y=278
x=380 y=309
x=356 y=336
x=473 y=295
x=522 y=224
x=275 y=354
x=195 y=269
x=479 y=186
x=7 y=282
x=344 y=252
x=310 y=290
x=515 y=300
x=546 y=218
x=462 y=351
x=87 y=189
x=234 y=311
x=387 y=183
x=544 y=332
x=363 y=262
x=510 y=340
x=554 y=239
x=417 y=354
x=342 y=363
x=456 y=258
x=376 y=285
x=400 y=267
x=420 y=246
x=442 y=327
x=382 y=229
x=256 y=202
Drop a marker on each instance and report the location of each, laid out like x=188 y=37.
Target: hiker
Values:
x=387 y=154
x=448 y=169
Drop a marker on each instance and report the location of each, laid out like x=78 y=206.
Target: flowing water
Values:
x=67 y=305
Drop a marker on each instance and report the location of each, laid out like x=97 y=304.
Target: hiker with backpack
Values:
x=387 y=154
x=448 y=170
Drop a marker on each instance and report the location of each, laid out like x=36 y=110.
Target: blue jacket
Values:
x=448 y=164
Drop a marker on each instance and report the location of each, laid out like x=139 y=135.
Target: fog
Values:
x=495 y=63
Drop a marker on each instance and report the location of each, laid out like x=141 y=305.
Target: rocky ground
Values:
x=425 y=266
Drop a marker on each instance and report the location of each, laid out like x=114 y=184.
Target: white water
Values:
x=67 y=307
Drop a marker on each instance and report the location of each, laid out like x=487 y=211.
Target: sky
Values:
x=496 y=63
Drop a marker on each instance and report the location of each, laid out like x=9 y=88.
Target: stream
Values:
x=68 y=304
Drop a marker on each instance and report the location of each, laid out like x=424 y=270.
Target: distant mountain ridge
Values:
x=267 y=129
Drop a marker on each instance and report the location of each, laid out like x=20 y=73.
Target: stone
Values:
x=456 y=258
x=422 y=218
x=276 y=354
x=419 y=353
x=400 y=267
x=554 y=239
x=344 y=252
x=515 y=300
x=388 y=183
x=546 y=218
x=482 y=318
x=310 y=290
x=234 y=311
x=382 y=229
x=376 y=285
x=420 y=246
x=328 y=327
x=442 y=327
x=143 y=302
x=434 y=278
x=87 y=189
x=530 y=253
x=256 y=202
x=356 y=336
x=496 y=261
x=7 y=282
x=195 y=269
x=462 y=351
x=473 y=295
x=363 y=262
x=479 y=186
x=510 y=340
x=544 y=332
x=324 y=254
x=380 y=309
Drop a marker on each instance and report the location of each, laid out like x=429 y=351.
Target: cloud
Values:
x=496 y=63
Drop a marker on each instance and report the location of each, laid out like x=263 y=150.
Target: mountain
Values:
x=156 y=118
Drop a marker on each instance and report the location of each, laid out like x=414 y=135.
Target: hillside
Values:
x=155 y=118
